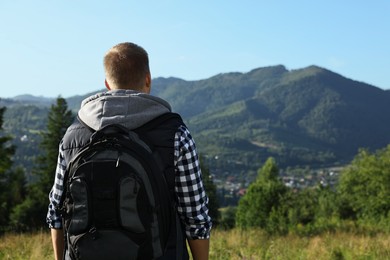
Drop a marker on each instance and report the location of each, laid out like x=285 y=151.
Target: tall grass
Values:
x=237 y=244
x=256 y=244
x=35 y=246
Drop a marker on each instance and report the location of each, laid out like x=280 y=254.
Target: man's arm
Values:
x=191 y=196
x=199 y=248
x=53 y=218
x=57 y=237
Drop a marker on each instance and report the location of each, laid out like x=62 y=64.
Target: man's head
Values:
x=126 y=66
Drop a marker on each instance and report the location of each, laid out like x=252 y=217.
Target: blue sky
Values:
x=52 y=48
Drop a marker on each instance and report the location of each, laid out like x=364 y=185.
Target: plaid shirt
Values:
x=191 y=196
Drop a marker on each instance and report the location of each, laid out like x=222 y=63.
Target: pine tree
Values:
x=59 y=118
x=31 y=213
x=6 y=153
x=6 y=150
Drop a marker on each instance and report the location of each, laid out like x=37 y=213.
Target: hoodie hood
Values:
x=125 y=107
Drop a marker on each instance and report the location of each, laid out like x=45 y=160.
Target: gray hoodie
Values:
x=126 y=107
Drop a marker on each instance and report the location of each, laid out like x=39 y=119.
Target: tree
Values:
x=228 y=217
x=302 y=207
x=6 y=150
x=211 y=191
x=6 y=153
x=262 y=198
x=32 y=212
x=364 y=186
x=59 y=118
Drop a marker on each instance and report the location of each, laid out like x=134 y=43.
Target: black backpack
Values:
x=116 y=202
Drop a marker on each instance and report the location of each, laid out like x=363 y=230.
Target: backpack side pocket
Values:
x=80 y=217
x=128 y=212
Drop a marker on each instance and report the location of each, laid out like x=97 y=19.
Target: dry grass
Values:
x=255 y=244
x=236 y=244
x=26 y=246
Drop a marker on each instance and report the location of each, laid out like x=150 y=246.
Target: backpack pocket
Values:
x=103 y=244
x=80 y=217
x=128 y=209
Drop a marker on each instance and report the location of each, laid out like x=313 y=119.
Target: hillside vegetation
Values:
x=249 y=125
x=306 y=117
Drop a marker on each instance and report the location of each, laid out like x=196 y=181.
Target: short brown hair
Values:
x=126 y=66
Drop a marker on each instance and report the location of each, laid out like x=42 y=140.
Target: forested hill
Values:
x=308 y=116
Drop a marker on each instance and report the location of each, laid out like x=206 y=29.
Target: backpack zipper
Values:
x=93 y=232
x=118 y=160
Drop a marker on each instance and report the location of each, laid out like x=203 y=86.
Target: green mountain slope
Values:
x=309 y=116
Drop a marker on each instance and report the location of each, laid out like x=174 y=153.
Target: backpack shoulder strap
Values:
x=168 y=123
x=160 y=120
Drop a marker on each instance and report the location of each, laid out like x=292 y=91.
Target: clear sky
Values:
x=52 y=48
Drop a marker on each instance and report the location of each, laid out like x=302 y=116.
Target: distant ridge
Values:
x=29 y=97
x=303 y=117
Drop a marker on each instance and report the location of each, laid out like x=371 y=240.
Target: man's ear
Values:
x=148 y=83
x=106 y=83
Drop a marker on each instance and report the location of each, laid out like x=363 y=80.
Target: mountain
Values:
x=305 y=117
x=33 y=99
x=309 y=116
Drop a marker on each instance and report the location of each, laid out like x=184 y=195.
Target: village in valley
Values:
x=231 y=186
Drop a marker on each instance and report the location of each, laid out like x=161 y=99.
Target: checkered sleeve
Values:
x=53 y=219
x=191 y=195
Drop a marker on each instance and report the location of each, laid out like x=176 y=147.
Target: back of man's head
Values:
x=126 y=66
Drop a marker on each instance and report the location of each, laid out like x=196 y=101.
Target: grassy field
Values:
x=26 y=246
x=256 y=244
x=236 y=244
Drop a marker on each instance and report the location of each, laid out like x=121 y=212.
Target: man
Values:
x=128 y=102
